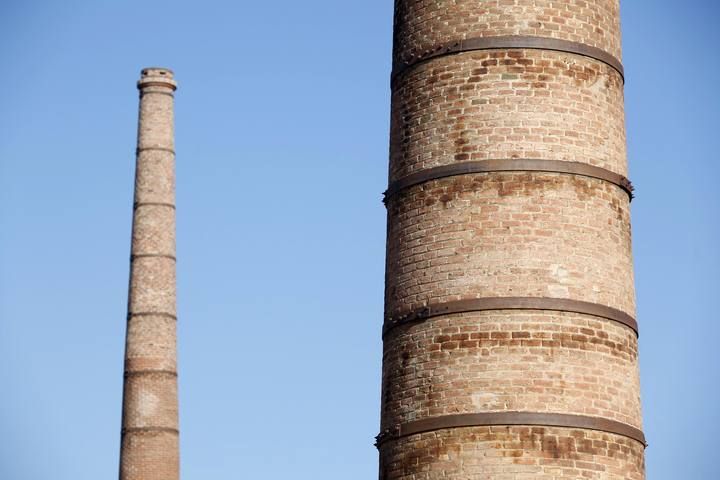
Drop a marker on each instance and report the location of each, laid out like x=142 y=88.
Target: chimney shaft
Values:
x=149 y=447
x=510 y=344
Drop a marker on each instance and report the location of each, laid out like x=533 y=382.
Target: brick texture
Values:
x=423 y=24
x=507 y=104
x=517 y=453
x=508 y=234
x=534 y=361
x=149 y=448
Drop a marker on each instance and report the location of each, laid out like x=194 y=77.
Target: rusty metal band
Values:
x=490 y=419
x=174 y=431
x=137 y=373
x=510 y=303
x=509 y=165
x=512 y=42
x=153 y=204
x=152 y=255
x=151 y=314
x=162 y=149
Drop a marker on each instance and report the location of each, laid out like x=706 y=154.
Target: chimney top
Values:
x=156 y=77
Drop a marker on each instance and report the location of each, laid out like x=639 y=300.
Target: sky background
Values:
x=282 y=138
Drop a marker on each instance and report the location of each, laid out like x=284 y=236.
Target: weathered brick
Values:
x=149 y=447
x=508 y=234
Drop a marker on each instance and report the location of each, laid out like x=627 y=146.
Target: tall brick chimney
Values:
x=510 y=344
x=149 y=448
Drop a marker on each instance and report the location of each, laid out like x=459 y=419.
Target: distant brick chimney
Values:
x=149 y=449
x=510 y=343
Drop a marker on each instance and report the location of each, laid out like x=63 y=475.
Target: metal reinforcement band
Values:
x=135 y=256
x=511 y=42
x=140 y=373
x=510 y=303
x=509 y=165
x=510 y=419
x=152 y=314
x=153 y=204
x=162 y=149
x=174 y=431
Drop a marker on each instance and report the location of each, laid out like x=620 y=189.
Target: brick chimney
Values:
x=149 y=449
x=510 y=340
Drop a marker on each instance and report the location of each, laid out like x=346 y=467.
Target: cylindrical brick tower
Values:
x=149 y=449
x=510 y=345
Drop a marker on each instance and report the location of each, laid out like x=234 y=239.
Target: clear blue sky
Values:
x=282 y=139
